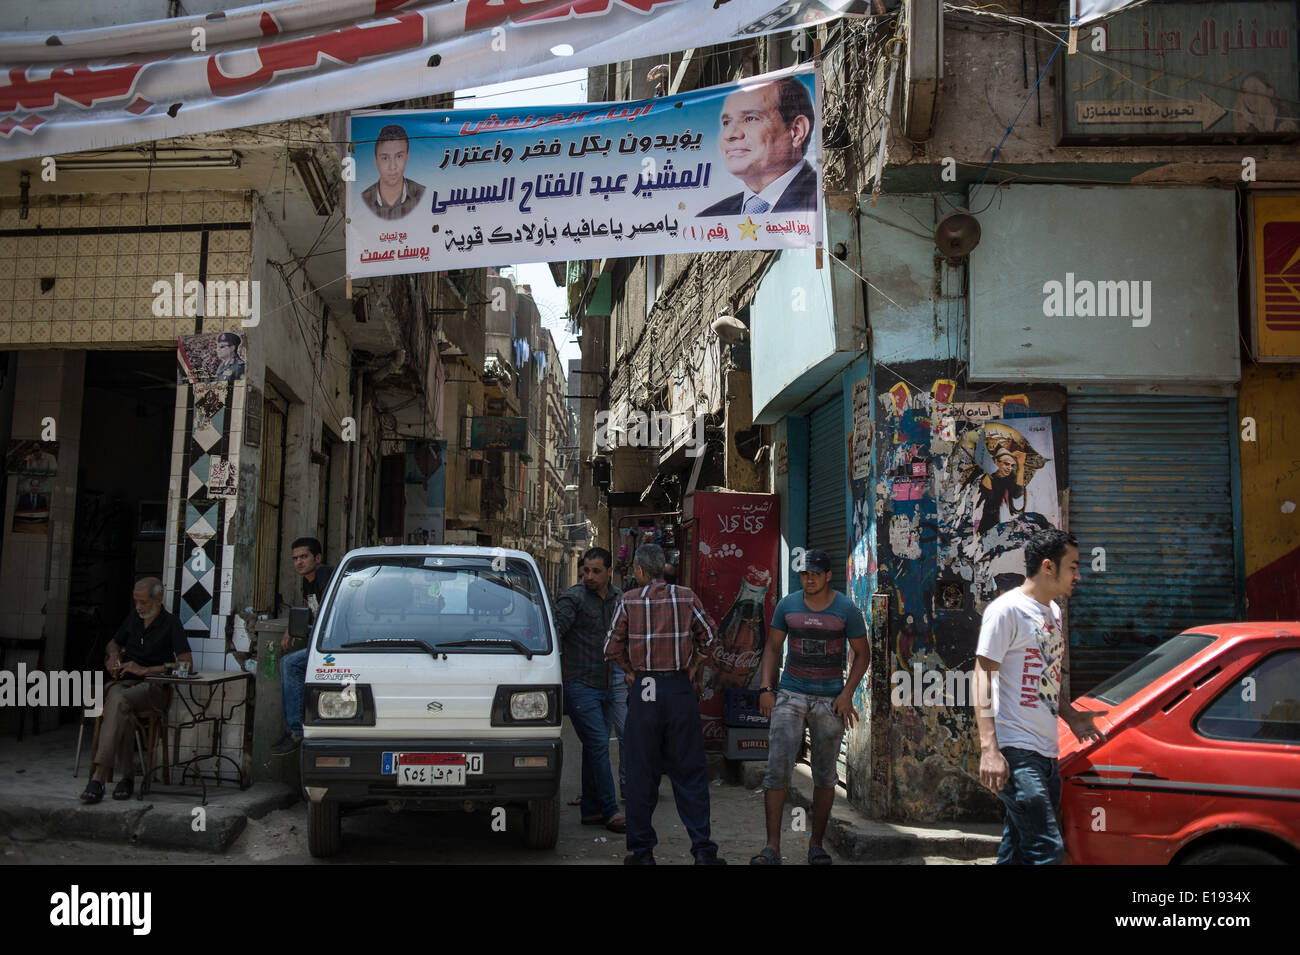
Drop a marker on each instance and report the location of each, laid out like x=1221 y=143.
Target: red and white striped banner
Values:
x=75 y=90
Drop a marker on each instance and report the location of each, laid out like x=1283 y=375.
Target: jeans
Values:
x=293 y=678
x=1030 y=834
x=790 y=714
x=665 y=735
x=616 y=712
x=587 y=707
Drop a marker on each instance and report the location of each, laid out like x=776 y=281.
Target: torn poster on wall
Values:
x=861 y=446
x=998 y=487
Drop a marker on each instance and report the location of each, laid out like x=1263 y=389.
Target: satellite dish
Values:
x=956 y=235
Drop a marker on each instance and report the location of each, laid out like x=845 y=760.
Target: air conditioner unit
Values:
x=475 y=468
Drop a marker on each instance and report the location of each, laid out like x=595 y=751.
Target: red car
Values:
x=1201 y=759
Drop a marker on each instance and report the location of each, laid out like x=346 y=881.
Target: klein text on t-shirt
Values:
x=1029 y=677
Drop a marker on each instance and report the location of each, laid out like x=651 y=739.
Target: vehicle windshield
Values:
x=1142 y=673
x=429 y=602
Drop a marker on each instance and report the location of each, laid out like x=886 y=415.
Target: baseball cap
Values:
x=817 y=561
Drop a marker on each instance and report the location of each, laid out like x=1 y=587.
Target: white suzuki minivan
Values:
x=433 y=681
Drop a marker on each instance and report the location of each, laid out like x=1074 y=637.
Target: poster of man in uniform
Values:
x=728 y=167
x=210 y=356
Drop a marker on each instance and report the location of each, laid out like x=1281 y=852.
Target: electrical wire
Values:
x=870 y=284
x=1007 y=133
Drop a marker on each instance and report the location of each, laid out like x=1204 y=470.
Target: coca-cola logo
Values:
x=714 y=731
x=746 y=523
x=737 y=659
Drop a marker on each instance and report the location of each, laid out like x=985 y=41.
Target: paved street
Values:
x=450 y=838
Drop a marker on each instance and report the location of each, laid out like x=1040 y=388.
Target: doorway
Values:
x=120 y=535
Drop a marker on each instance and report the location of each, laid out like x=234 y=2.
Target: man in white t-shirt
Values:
x=1018 y=666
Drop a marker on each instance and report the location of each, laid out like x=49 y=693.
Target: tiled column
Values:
x=201 y=512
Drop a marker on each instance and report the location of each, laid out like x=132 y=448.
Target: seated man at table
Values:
x=146 y=643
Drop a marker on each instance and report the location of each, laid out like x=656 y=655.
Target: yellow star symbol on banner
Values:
x=749 y=228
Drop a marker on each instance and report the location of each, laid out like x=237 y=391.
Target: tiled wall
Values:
x=103 y=278
x=196 y=740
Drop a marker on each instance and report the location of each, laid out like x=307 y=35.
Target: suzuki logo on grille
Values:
x=434 y=706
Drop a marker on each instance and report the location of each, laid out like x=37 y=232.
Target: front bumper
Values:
x=363 y=780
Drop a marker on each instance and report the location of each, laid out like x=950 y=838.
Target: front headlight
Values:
x=529 y=705
x=336 y=705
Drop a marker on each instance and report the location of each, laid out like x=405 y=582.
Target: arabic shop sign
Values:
x=1198 y=72
x=716 y=169
x=498 y=434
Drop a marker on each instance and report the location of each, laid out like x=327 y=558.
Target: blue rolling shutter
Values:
x=1150 y=482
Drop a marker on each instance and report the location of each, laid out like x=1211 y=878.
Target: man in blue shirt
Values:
x=820 y=623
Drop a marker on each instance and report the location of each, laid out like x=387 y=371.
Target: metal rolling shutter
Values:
x=1150 y=482
x=827 y=491
x=827 y=517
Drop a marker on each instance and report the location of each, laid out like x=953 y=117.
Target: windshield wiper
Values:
x=393 y=642
x=493 y=642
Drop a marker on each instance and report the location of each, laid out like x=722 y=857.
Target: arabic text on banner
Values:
x=96 y=88
x=683 y=173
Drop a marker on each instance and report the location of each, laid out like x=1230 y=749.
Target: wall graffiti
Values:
x=959 y=487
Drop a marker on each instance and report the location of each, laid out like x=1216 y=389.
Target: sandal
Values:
x=124 y=789
x=819 y=856
x=575 y=801
x=767 y=856
x=596 y=820
x=93 y=792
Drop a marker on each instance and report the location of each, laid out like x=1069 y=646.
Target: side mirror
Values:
x=299 y=622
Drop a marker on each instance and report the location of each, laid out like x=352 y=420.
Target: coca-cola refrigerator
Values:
x=733 y=545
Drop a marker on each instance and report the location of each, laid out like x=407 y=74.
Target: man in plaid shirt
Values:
x=658 y=636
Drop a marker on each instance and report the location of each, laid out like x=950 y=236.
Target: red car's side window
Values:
x=1262 y=707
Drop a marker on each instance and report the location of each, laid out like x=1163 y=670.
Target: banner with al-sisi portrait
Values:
x=723 y=168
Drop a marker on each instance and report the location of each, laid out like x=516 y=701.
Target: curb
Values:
x=155 y=825
x=856 y=837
